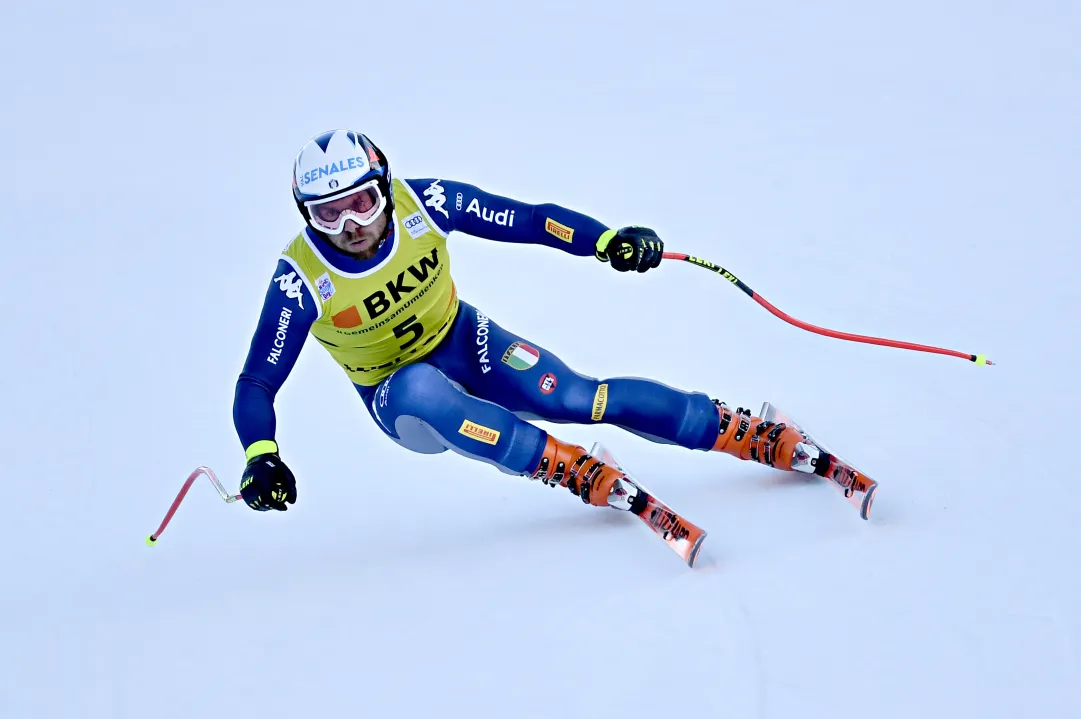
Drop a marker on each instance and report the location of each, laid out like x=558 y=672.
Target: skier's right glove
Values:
x=268 y=484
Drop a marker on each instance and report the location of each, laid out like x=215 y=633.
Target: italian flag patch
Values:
x=520 y=356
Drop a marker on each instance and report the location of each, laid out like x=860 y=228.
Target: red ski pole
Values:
x=978 y=359
x=183 y=493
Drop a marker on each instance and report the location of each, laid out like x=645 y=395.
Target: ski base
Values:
x=682 y=537
x=853 y=484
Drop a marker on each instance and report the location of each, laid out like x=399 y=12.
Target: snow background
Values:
x=907 y=171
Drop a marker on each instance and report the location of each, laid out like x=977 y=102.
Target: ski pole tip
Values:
x=151 y=540
x=981 y=360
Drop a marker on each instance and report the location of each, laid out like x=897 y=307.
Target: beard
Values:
x=362 y=242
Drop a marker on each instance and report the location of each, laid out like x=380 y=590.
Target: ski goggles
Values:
x=362 y=204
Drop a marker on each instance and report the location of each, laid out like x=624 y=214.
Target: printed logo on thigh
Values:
x=600 y=402
x=482 y=343
x=381 y=401
x=521 y=356
x=548 y=383
x=479 y=432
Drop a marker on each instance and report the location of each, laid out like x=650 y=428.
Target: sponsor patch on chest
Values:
x=325 y=286
x=415 y=225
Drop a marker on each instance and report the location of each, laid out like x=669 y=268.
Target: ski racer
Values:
x=369 y=278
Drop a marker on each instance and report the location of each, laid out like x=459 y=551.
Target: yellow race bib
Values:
x=374 y=321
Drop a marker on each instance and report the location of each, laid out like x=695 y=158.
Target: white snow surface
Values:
x=908 y=171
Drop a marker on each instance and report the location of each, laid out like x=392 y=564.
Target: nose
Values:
x=350 y=226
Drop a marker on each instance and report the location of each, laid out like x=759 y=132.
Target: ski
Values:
x=853 y=484
x=682 y=536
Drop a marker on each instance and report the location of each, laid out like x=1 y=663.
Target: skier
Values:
x=369 y=277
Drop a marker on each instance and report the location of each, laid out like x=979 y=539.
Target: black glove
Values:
x=268 y=484
x=631 y=248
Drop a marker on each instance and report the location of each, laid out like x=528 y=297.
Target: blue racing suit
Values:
x=475 y=391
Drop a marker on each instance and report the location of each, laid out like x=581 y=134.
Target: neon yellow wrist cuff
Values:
x=263 y=446
x=603 y=240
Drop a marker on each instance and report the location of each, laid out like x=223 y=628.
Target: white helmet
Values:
x=341 y=175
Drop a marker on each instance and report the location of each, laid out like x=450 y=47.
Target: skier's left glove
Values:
x=630 y=248
x=268 y=484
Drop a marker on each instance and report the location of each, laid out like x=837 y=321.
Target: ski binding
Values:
x=629 y=495
x=816 y=458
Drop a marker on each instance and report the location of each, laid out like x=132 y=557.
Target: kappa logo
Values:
x=479 y=432
x=415 y=225
x=292 y=286
x=325 y=286
x=436 y=198
x=500 y=218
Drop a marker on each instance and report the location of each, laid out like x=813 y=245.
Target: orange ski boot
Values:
x=775 y=444
x=569 y=465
